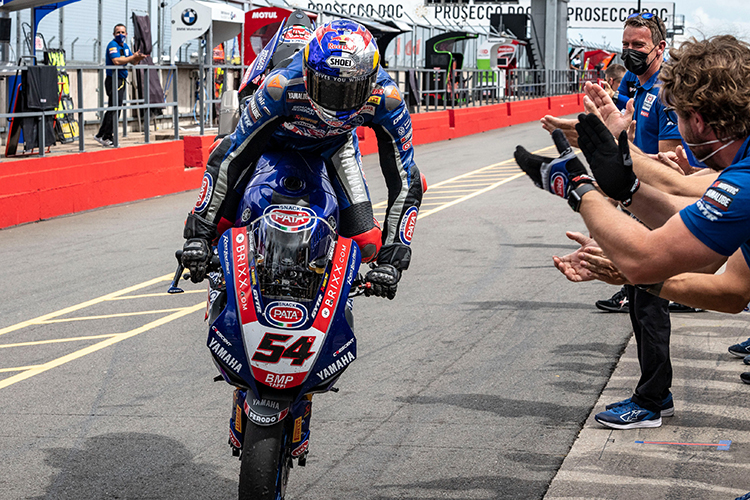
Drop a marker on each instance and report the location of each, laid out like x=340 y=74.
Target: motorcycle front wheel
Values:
x=264 y=469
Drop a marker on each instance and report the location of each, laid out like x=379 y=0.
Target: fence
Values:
x=128 y=105
x=434 y=89
x=423 y=90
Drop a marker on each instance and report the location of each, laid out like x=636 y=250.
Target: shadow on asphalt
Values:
x=132 y=465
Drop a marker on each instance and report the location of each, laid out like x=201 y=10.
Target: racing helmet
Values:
x=340 y=70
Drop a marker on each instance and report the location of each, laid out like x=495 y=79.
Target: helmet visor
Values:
x=337 y=93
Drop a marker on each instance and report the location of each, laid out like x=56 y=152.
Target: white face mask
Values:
x=701 y=160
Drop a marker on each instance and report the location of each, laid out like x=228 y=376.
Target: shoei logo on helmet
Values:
x=207 y=187
x=291 y=218
x=557 y=183
x=286 y=314
x=339 y=62
x=407 y=225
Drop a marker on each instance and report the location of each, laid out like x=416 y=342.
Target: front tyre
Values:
x=264 y=470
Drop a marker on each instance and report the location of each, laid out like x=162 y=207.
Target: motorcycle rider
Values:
x=314 y=105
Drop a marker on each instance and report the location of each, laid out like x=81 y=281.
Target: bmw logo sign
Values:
x=189 y=16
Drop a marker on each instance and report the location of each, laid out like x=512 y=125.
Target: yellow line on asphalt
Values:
x=159 y=294
x=54 y=341
x=107 y=316
x=18 y=368
x=82 y=305
x=384 y=203
x=468 y=196
x=98 y=346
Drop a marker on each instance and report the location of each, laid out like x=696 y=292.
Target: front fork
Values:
x=300 y=415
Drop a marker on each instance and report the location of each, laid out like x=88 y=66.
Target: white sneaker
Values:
x=104 y=142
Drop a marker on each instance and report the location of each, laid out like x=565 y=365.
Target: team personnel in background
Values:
x=644 y=45
x=117 y=54
x=314 y=104
x=705 y=84
x=613 y=77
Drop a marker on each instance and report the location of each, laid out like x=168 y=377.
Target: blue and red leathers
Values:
x=279 y=116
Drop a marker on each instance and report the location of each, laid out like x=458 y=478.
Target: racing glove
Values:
x=196 y=253
x=383 y=280
x=610 y=162
x=557 y=175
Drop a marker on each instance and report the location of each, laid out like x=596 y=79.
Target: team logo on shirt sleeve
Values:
x=720 y=195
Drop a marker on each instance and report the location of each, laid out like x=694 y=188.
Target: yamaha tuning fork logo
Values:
x=189 y=17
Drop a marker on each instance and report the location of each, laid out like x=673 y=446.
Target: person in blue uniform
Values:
x=644 y=45
x=315 y=104
x=117 y=54
x=691 y=238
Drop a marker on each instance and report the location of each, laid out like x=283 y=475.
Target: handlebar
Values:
x=358 y=286
x=213 y=265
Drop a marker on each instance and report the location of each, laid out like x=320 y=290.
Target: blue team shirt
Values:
x=626 y=90
x=652 y=123
x=115 y=50
x=721 y=218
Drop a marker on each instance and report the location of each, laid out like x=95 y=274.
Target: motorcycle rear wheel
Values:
x=264 y=469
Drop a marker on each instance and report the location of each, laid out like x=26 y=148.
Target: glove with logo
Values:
x=557 y=175
x=196 y=254
x=383 y=280
x=610 y=162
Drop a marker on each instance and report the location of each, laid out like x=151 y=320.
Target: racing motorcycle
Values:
x=280 y=314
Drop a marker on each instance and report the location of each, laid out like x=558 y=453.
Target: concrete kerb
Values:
x=683 y=458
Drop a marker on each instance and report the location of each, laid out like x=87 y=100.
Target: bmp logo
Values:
x=189 y=17
x=340 y=62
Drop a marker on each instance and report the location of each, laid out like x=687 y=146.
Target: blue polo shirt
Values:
x=721 y=218
x=626 y=90
x=652 y=123
x=115 y=50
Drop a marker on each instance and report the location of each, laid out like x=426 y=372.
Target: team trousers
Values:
x=109 y=121
x=649 y=316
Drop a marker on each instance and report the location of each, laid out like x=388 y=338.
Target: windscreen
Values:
x=292 y=251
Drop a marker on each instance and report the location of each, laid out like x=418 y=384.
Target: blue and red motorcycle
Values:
x=280 y=314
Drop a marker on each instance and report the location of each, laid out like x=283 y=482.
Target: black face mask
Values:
x=635 y=61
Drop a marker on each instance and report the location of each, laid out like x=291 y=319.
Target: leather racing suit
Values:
x=279 y=116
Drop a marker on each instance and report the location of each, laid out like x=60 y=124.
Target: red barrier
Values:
x=196 y=150
x=39 y=188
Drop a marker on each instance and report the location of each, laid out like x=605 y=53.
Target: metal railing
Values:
x=440 y=89
x=140 y=104
x=435 y=89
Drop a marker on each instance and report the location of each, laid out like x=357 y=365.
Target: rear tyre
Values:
x=264 y=469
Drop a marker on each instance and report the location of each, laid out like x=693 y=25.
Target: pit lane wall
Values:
x=40 y=188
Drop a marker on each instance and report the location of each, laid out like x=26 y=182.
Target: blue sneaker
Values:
x=746 y=496
x=629 y=416
x=746 y=360
x=667 y=406
x=740 y=350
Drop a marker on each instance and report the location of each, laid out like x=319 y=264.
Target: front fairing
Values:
x=249 y=344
